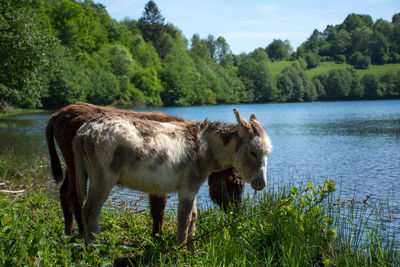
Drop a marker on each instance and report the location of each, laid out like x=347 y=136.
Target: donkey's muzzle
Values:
x=258 y=184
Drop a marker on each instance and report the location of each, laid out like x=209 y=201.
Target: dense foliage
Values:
x=56 y=52
x=358 y=40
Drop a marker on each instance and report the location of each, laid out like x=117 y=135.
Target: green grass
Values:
x=288 y=227
x=379 y=70
x=278 y=66
x=19 y=111
x=325 y=67
x=7 y=124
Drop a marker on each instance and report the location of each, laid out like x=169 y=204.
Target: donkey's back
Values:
x=149 y=156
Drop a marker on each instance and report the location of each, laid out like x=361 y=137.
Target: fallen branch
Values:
x=12 y=192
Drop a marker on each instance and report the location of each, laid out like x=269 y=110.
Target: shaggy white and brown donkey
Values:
x=160 y=158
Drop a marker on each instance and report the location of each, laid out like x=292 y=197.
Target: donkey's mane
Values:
x=227 y=131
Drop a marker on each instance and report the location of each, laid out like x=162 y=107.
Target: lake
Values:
x=355 y=143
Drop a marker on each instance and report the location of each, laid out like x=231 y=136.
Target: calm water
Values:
x=355 y=143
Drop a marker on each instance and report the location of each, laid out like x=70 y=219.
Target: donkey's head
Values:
x=252 y=151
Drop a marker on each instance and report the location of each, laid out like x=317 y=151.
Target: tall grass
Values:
x=286 y=226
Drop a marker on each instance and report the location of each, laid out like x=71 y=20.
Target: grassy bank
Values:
x=20 y=111
x=325 y=67
x=288 y=227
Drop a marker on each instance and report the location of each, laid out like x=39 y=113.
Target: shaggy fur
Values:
x=162 y=163
x=235 y=187
x=63 y=126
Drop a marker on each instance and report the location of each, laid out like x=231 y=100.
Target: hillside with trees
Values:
x=56 y=52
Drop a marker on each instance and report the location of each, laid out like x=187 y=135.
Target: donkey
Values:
x=159 y=158
x=226 y=188
x=62 y=127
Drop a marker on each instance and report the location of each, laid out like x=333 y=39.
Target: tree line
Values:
x=358 y=40
x=56 y=52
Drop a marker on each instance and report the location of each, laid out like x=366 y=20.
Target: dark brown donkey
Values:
x=226 y=187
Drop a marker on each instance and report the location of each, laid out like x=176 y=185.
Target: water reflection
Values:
x=23 y=135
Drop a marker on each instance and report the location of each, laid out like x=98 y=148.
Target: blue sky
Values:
x=248 y=24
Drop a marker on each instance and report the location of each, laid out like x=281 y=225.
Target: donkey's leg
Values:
x=78 y=212
x=66 y=206
x=193 y=218
x=157 y=210
x=185 y=208
x=98 y=193
x=73 y=200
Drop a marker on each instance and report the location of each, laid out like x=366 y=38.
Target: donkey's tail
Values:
x=81 y=174
x=54 y=160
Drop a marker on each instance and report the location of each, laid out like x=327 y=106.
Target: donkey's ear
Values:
x=253 y=118
x=244 y=126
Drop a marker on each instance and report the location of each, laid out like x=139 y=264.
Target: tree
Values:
x=359 y=61
x=146 y=80
x=341 y=43
x=312 y=60
x=118 y=33
x=315 y=42
x=278 y=49
x=379 y=48
x=264 y=88
x=338 y=84
x=79 y=25
x=180 y=79
x=396 y=18
x=354 y=21
x=319 y=82
x=259 y=55
x=144 y=53
x=199 y=47
x=293 y=85
x=26 y=43
x=103 y=87
x=211 y=44
x=151 y=23
x=257 y=79
x=371 y=86
x=69 y=82
x=359 y=40
x=222 y=51
x=356 y=89
x=390 y=83
x=247 y=70
x=153 y=29
x=384 y=27
x=116 y=59
x=395 y=42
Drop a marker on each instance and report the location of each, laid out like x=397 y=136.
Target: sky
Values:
x=249 y=24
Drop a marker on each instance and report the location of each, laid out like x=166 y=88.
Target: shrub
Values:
x=371 y=86
x=312 y=60
x=359 y=61
x=340 y=59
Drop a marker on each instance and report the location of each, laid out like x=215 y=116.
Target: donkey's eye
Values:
x=253 y=154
